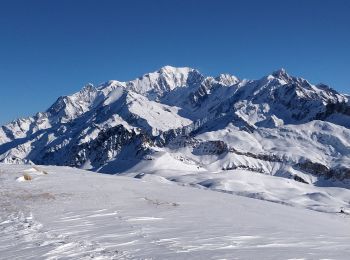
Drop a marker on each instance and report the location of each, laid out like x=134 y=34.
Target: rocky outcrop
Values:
x=320 y=170
x=333 y=108
x=109 y=144
x=263 y=157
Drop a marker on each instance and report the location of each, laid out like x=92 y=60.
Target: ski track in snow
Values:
x=64 y=242
x=21 y=235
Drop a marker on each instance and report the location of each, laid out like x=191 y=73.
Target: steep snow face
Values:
x=157 y=116
x=164 y=80
x=214 y=123
x=156 y=84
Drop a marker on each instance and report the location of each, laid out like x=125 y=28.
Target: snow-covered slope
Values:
x=277 y=125
x=66 y=213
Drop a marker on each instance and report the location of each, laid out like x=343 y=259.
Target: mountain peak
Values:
x=280 y=72
x=170 y=70
x=165 y=79
x=227 y=79
x=88 y=87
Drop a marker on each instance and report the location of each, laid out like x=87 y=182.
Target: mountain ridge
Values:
x=117 y=125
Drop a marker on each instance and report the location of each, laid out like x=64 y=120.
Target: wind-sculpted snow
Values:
x=277 y=125
x=66 y=213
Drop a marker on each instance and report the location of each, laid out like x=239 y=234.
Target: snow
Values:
x=318 y=141
x=166 y=79
x=183 y=100
x=71 y=213
x=159 y=117
x=209 y=168
x=259 y=186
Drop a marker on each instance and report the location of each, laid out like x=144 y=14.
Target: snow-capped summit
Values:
x=227 y=79
x=67 y=108
x=170 y=70
x=166 y=79
x=280 y=73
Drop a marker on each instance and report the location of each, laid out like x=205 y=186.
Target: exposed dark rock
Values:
x=314 y=168
x=210 y=148
x=333 y=108
x=299 y=179
x=264 y=157
x=320 y=170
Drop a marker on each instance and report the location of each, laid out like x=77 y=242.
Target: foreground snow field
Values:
x=74 y=214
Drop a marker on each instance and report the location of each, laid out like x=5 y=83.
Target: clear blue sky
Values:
x=52 y=48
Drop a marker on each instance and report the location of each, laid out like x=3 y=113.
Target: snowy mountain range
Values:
x=178 y=119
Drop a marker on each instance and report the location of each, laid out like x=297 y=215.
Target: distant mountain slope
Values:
x=277 y=125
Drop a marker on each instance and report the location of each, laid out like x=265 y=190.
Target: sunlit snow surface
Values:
x=75 y=214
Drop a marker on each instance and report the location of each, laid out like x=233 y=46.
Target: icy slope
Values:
x=70 y=213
